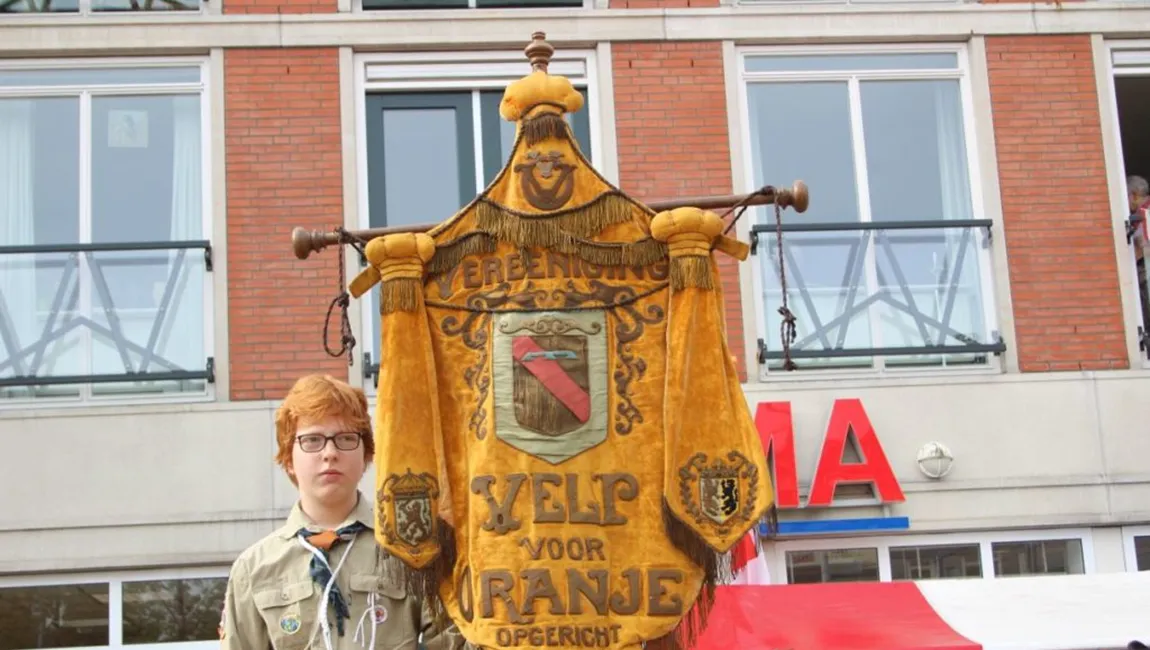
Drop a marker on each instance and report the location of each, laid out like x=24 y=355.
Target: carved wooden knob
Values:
x=539 y=52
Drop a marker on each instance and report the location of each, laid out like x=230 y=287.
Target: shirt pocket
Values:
x=289 y=614
x=394 y=627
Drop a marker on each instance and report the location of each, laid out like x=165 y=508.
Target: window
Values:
x=889 y=267
x=434 y=140
x=1136 y=540
x=1130 y=64
x=933 y=557
x=105 y=262
x=114 y=611
x=95 y=6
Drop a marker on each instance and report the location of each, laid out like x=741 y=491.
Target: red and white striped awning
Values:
x=1088 y=612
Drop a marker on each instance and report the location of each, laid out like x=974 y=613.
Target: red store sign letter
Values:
x=777 y=432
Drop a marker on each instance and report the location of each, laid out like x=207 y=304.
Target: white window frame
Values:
x=752 y=281
x=86 y=93
x=115 y=581
x=1128 y=554
x=777 y=552
x=1134 y=61
x=459 y=71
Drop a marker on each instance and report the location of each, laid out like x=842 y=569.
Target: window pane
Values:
x=915 y=150
x=826 y=290
x=146 y=169
x=38 y=6
x=40 y=186
x=98 y=76
x=803 y=131
x=853 y=62
x=173 y=610
x=65 y=616
x=134 y=5
x=930 y=562
x=840 y=565
x=1142 y=553
x=1063 y=556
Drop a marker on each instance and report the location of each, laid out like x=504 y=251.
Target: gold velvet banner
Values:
x=564 y=455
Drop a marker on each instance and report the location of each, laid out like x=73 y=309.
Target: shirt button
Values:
x=284 y=595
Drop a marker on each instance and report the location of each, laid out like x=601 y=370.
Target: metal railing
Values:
x=141 y=334
x=915 y=287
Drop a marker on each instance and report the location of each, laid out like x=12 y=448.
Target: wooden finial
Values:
x=539 y=52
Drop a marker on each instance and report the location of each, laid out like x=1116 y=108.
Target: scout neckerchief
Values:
x=321 y=572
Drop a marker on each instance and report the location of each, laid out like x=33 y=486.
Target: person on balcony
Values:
x=1138 y=196
x=321 y=581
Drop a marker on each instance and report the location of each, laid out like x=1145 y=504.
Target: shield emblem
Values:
x=719 y=497
x=550 y=382
x=408 y=498
x=413 y=518
x=551 y=388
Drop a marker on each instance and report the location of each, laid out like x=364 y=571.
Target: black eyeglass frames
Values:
x=315 y=442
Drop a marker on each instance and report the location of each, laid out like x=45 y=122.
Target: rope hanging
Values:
x=787 y=330
x=342 y=300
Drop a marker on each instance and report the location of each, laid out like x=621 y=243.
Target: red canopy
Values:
x=835 y=616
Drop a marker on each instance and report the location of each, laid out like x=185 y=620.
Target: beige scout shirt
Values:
x=272 y=601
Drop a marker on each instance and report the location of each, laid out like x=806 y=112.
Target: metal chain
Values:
x=343 y=300
x=787 y=328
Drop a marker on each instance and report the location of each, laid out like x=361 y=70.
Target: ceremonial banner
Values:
x=564 y=454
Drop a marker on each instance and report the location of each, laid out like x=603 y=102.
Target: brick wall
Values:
x=280 y=6
x=282 y=119
x=671 y=126
x=1060 y=246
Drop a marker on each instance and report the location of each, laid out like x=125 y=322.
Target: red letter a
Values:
x=848 y=416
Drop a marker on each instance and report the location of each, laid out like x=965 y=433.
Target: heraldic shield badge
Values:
x=409 y=498
x=550 y=382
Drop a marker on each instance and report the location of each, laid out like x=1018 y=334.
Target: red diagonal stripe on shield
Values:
x=552 y=375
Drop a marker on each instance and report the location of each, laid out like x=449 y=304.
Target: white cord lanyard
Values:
x=322 y=622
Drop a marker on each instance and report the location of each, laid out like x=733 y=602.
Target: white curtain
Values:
x=17 y=272
x=954 y=181
x=184 y=329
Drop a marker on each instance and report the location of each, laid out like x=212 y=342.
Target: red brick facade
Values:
x=671 y=128
x=284 y=170
x=282 y=116
x=1060 y=250
x=280 y=6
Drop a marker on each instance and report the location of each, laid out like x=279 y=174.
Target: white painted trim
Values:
x=742 y=176
x=779 y=549
x=42 y=35
x=350 y=115
x=1104 y=73
x=606 y=157
x=981 y=143
x=1128 y=554
x=978 y=173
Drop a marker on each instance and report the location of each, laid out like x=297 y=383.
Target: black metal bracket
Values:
x=1144 y=340
x=762 y=351
x=208 y=258
x=754 y=243
x=370 y=370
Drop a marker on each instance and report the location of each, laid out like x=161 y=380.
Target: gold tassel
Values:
x=448 y=255
x=691 y=271
x=400 y=294
x=544 y=127
x=424 y=583
x=546 y=229
x=716 y=571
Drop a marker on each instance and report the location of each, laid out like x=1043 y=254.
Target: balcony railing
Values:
x=95 y=6
x=126 y=316
x=887 y=293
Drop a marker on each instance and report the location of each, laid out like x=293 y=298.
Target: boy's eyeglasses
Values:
x=315 y=442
